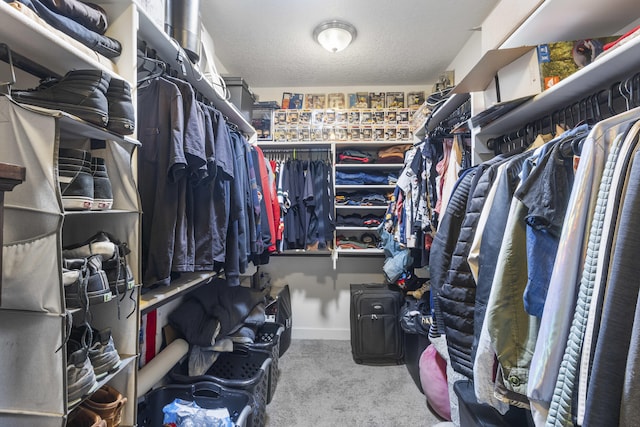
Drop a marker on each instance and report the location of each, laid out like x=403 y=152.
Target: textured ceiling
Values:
x=269 y=43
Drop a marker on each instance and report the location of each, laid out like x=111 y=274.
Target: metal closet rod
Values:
x=615 y=98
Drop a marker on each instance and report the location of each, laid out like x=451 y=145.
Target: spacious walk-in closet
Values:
x=285 y=214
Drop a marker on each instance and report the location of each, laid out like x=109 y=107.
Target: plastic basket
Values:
x=207 y=395
x=268 y=339
x=243 y=369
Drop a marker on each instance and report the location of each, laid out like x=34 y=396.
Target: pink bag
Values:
x=433 y=377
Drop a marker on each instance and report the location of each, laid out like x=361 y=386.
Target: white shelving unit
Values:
x=547 y=23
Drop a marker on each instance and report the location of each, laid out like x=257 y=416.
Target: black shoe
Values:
x=102 y=193
x=121 y=114
x=114 y=259
x=76 y=180
x=82 y=93
x=85 y=282
x=81 y=379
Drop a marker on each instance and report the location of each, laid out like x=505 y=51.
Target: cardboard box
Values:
x=559 y=60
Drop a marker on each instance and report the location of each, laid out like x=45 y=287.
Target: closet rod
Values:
x=606 y=102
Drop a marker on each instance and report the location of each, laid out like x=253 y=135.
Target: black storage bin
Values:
x=240 y=95
x=243 y=369
x=206 y=394
x=268 y=339
x=414 y=346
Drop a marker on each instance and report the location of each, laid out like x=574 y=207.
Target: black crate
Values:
x=207 y=395
x=268 y=339
x=243 y=369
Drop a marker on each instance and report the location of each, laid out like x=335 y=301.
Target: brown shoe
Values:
x=107 y=402
x=83 y=417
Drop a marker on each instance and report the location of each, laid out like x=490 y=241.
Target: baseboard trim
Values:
x=320 y=334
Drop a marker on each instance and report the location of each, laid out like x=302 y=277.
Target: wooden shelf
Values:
x=156 y=297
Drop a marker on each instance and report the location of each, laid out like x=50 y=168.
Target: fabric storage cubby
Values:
x=36 y=318
x=242 y=369
x=268 y=339
x=207 y=395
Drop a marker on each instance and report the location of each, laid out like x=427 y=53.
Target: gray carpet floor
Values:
x=320 y=385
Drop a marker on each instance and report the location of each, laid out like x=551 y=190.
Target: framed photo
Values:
x=415 y=98
x=376 y=100
x=286 y=98
x=335 y=101
x=295 y=103
x=395 y=100
x=315 y=101
x=362 y=100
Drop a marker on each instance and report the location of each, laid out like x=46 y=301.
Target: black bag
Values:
x=279 y=311
x=376 y=335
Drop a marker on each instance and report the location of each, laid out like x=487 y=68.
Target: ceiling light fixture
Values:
x=334 y=35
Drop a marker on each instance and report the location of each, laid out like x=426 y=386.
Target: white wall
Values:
x=320 y=294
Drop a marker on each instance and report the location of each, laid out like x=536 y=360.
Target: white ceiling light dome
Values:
x=334 y=35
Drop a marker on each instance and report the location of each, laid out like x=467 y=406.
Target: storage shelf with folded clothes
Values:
x=373 y=166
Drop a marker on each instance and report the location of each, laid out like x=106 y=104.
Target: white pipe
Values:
x=151 y=373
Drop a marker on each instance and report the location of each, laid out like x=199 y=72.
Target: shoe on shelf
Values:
x=114 y=259
x=101 y=350
x=122 y=118
x=75 y=178
x=108 y=403
x=102 y=193
x=85 y=282
x=81 y=380
x=84 y=417
x=82 y=93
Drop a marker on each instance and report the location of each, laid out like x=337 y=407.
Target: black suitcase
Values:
x=376 y=335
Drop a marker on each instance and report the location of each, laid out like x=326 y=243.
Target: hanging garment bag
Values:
x=376 y=335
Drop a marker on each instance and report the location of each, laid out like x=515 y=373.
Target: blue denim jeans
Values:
x=104 y=45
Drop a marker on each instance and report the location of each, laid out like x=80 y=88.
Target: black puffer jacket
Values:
x=458 y=293
x=445 y=241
